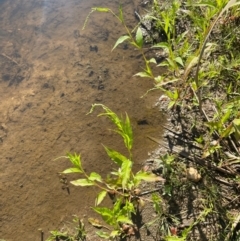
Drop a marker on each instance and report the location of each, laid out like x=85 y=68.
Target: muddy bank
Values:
x=50 y=73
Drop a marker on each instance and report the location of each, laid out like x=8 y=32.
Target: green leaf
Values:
x=179 y=61
x=99 y=9
x=236 y=125
x=159 y=79
x=75 y=160
x=171 y=104
x=175 y=238
x=214 y=125
x=123 y=127
x=148 y=177
x=161 y=45
x=102 y=234
x=236 y=122
x=115 y=156
x=106 y=214
x=156 y=203
x=95 y=177
x=226 y=116
x=171 y=63
x=143 y=74
x=95 y=222
x=72 y=170
x=125 y=172
x=124 y=219
x=82 y=182
x=128 y=208
x=120 y=40
x=121 y=13
x=117 y=207
x=127 y=129
x=100 y=197
x=115 y=233
x=139 y=37
x=164 y=63
x=152 y=60
x=175 y=94
x=190 y=63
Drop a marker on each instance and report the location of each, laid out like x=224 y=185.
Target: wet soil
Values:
x=51 y=72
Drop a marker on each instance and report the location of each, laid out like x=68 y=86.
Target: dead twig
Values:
x=233 y=200
x=9 y=58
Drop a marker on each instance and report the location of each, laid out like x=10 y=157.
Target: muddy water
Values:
x=50 y=73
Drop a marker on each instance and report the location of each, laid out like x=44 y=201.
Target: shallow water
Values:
x=51 y=72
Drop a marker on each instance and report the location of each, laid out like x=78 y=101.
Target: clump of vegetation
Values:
x=77 y=233
x=122 y=185
x=199 y=52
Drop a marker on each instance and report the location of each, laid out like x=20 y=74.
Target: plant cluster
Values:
x=121 y=184
x=200 y=42
x=77 y=233
x=200 y=54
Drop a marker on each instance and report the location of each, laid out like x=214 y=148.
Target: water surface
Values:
x=51 y=72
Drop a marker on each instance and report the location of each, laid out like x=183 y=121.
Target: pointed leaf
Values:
x=236 y=122
x=127 y=129
x=156 y=203
x=99 y=9
x=152 y=60
x=75 y=160
x=227 y=132
x=139 y=37
x=95 y=222
x=124 y=219
x=159 y=79
x=106 y=214
x=100 y=197
x=226 y=116
x=161 y=45
x=171 y=63
x=143 y=74
x=148 y=177
x=128 y=208
x=117 y=206
x=115 y=233
x=82 y=182
x=95 y=177
x=175 y=238
x=72 y=170
x=171 y=104
x=179 y=61
x=121 y=13
x=120 y=40
x=191 y=62
x=115 y=156
x=102 y=234
x=125 y=172
x=236 y=125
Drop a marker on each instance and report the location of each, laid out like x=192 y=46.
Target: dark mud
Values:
x=50 y=73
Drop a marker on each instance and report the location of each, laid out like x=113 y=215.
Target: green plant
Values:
x=195 y=62
x=190 y=64
x=77 y=233
x=186 y=232
x=121 y=184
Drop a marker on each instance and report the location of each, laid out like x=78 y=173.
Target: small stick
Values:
x=4 y=55
x=231 y=201
x=148 y=192
x=42 y=234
